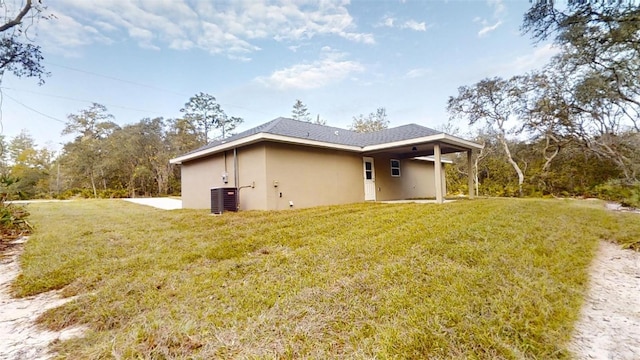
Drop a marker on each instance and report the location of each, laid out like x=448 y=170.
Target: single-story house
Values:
x=286 y=163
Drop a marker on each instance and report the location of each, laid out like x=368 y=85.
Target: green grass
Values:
x=485 y=279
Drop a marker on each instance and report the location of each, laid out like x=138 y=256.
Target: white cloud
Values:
x=499 y=11
x=229 y=28
x=414 y=25
x=522 y=64
x=498 y=8
x=417 y=73
x=67 y=35
x=388 y=21
x=537 y=59
x=329 y=69
x=363 y=38
x=489 y=28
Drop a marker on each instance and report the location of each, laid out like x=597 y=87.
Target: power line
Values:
x=34 y=110
x=115 y=78
x=143 y=85
x=80 y=100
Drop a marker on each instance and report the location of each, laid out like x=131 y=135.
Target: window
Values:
x=395 y=168
x=368 y=170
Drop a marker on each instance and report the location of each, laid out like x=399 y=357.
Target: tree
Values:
x=375 y=121
x=492 y=101
x=29 y=167
x=546 y=114
x=600 y=69
x=300 y=112
x=228 y=124
x=320 y=121
x=205 y=114
x=139 y=154
x=86 y=154
x=16 y=56
x=183 y=136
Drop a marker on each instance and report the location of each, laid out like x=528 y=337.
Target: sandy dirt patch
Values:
x=20 y=338
x=609 y=325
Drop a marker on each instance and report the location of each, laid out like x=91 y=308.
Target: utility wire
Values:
x=34 y=110
x=80 y=100
x=115 y=78
x=145 y=86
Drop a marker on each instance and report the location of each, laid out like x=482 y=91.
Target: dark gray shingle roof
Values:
x=329 y=134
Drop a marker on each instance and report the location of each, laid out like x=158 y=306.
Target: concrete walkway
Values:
x=417 y=201
x=160 y=203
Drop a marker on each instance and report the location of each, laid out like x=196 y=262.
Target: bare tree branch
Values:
x=18 y=19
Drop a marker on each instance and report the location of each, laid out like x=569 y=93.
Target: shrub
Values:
x=633 y=199
x=628 y=194
x=13 y=220
x=113 y=194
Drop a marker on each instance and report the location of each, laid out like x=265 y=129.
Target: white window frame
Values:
x=394 y=167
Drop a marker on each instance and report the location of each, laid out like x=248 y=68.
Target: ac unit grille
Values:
x=224 y=199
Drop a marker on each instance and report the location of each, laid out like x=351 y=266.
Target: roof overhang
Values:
x=431 y=159
x=423 y=146
x=411 y=148
x=256 y=138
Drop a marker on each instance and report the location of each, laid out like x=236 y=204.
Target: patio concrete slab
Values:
x=160 y=203
x=418 y=201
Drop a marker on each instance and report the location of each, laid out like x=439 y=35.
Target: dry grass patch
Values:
x=486 y=279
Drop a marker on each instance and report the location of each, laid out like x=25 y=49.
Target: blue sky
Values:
x=145 y=58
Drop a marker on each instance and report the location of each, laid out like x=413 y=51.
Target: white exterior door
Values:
x=369 y=179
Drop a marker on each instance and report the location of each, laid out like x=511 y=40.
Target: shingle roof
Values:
x=329 y=134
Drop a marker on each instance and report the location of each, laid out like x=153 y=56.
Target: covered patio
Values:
x=431 y=146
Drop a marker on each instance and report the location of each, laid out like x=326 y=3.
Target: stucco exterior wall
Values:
x=270 y=175
x=252 y=179
x=419 y=179
x=310 y=176
x=199 y=176
x=416 y=180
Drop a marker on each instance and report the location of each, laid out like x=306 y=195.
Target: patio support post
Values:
x=437 y=165
x=472 y=188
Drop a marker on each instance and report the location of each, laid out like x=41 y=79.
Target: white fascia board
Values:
x=431 y=159
x=403 y=143
x=314 y=143
x=261 y=137
x=452 y=140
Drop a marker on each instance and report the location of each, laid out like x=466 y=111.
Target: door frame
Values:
x=369 y=183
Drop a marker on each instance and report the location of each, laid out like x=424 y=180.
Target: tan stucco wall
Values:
x=311 y=177
x=416 y=180
x=307 y=176
x=252 y=179
x=199 y=176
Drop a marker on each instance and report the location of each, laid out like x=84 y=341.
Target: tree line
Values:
x=572 y=128
x=105 y=159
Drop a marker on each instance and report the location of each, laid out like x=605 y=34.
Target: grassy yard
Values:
x=500 y=278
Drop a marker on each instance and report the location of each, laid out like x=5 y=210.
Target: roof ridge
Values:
x=271 y=124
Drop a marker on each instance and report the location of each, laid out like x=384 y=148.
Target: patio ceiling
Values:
x=423 y=148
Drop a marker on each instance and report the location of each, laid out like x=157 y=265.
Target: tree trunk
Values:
x=475 y=175
x=104 y=181
x=514 y=164
x=93 y=186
